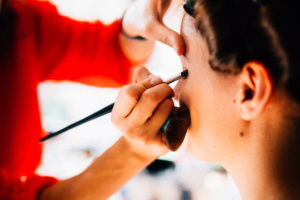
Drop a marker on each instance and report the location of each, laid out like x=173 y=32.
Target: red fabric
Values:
x=23 y=188
x=47 y=47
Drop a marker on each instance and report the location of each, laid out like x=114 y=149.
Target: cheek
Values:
x=212 y=116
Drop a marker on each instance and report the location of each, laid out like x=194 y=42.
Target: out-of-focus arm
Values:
x=66 y=49
x=104 y=177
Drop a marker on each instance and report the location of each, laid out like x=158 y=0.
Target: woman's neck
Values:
x=257 y=181
x=269 y=167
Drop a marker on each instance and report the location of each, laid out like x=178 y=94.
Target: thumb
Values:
x=162 y=33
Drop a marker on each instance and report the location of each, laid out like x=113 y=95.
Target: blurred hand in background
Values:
x=145 y=18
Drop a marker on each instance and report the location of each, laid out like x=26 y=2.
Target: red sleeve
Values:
x=23 y=188
x=77 y=51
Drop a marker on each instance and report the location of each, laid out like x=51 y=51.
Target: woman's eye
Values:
x=188 y=6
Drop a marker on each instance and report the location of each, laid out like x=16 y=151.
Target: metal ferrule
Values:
x=173 y=78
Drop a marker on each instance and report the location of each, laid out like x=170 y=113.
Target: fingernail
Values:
x=150 y=75
x=175 y=48
x=155 y=81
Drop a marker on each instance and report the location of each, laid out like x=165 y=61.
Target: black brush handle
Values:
x=95 y=115
x=105 y=110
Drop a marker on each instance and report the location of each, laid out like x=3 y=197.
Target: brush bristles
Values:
x=176 y=129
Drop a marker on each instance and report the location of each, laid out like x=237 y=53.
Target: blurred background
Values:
x=177 y=176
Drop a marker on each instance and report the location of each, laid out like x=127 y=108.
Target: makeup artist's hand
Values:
x=140 y=73
x=145 y=18
x=140 y=111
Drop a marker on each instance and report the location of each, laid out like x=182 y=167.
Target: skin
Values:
x=253 y=137
x=136 y=151
x=141 y=144
x=104 y=177
x=145 y=18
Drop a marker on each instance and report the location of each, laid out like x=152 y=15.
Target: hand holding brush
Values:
x=144 y=112
x=138 y=104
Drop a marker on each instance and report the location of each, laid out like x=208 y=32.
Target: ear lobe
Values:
x=256 y=88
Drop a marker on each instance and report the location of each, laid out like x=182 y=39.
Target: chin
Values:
x=199 y=151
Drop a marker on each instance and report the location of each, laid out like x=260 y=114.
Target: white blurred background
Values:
x=70 y=153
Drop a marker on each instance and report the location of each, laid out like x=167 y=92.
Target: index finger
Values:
x=140 y=74
x=129 y=96
x=159 y=31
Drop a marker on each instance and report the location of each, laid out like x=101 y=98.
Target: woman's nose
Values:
x=177 y=89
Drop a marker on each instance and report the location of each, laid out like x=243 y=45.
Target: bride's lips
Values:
x=175 y=131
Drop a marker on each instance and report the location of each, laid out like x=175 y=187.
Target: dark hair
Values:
x=8 y=20
x=239 y=31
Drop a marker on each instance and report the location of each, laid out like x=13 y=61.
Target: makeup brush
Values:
x=107 y=109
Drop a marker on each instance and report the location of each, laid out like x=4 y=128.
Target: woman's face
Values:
x=210 y=97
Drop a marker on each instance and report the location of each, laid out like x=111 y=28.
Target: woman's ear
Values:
x=255 y=90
